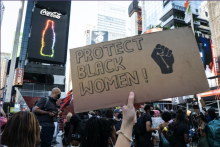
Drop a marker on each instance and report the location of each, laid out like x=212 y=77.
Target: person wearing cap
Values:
x=118 y=121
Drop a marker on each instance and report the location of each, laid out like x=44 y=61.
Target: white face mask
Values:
x=111 y=142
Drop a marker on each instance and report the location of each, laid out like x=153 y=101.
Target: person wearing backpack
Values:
x=177 y=133
x=212 y=129
x=77 y=128
x=143 y=129
x=46 y=111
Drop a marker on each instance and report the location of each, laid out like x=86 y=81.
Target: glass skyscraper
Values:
x=112 y=18
x=164 y=12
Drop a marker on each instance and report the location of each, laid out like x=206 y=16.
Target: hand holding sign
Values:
x=164 y=58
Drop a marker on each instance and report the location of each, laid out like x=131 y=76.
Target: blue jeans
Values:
x=46 y=136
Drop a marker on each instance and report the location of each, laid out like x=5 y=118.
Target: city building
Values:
x=151 y=13
x=214 y=20
x=111 y=19
x=2 y=11
x=4 y=65
x=170 y=14
x=44 y=64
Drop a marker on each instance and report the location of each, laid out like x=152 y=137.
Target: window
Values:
x=206 y=14
x=196 y=10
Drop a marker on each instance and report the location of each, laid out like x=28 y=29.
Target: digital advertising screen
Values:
x=206 y=54
x=48 y=37
x=99 y=36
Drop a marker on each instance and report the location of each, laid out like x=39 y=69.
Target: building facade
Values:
x=112 y=18
x=170 y=14
x=4 y=64
x=44 y=66
x=214 y=20
x=2 y=11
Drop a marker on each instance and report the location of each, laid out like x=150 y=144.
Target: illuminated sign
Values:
x=48 y=38
x=210 y=93
x=42 y=39
x=50 y=14
x=19 y=73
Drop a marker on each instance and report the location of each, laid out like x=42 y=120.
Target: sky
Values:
x=79 y=19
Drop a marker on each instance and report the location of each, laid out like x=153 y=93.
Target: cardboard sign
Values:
x=154 y=66
x=202 y=102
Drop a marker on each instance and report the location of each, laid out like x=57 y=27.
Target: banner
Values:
x=154 y=66
x=19 y=73
x=99 y=36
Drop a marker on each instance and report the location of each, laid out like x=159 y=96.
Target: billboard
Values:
x=48 y=39
x=19 y=73
x=99 y=36
x=206 y=54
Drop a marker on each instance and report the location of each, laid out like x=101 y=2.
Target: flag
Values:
x=188 y=12
x=66 y=101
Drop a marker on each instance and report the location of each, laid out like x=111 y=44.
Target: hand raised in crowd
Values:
x=129 y=118
x=129 y=112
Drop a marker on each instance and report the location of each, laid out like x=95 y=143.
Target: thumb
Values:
x=131 y=99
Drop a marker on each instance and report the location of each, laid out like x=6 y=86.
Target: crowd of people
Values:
x=125 y=127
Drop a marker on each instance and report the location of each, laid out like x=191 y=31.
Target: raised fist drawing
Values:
x=164 y=58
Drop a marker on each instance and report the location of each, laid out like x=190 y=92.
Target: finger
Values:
x=131 y=99
x=169 y=53
x=166 y=50
x=162 y=47
x=158 y=46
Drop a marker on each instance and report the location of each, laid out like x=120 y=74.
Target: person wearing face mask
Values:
x=146 y=138
x=99 y=132
x=46 y=111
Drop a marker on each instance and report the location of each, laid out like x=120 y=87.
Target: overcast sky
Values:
x=79 y=19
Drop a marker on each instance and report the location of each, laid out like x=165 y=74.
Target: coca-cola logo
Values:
x=50 y=14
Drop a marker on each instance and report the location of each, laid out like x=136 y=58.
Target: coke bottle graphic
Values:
x=48 y=39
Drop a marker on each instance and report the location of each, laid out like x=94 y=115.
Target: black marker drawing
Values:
x=164 y=58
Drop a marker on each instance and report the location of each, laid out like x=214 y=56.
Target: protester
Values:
x=203 y=142
x=77 y=125
x=194 y=120
x=99 y=132
x=195 y=104
x=117 y=112
x=98 y=113
x=207 y=115
x=109 y=114
x=46 y=111
x=166 y=116
x=180 y=129
x=145 y=138
x=66 y=130
x=21 y=130
x=212 y=114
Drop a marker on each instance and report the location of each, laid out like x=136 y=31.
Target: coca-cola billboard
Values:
x=48 y=37
x=50 y=14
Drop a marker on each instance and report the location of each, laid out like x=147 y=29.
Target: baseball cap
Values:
x=117 y=110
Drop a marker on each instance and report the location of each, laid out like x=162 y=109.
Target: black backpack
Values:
x=170 y=134
x=80 y=128
x=140 y=126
